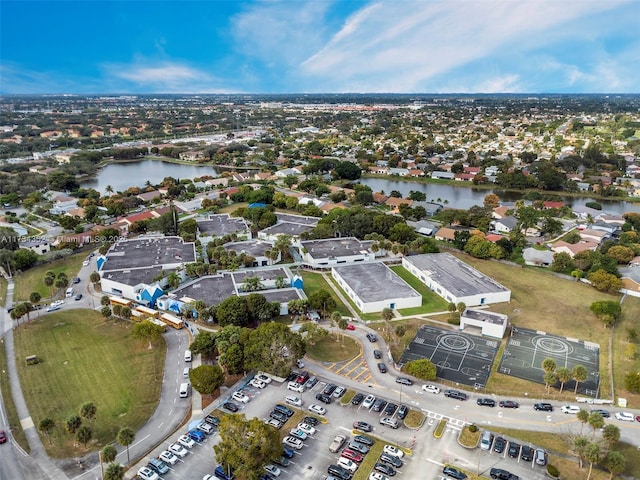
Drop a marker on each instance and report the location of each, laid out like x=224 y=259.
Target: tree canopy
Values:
x=206 y=379
x=423 y=369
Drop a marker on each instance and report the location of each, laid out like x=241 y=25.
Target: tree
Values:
x=233 y=311
x=46 y=426
x=88 y=410
x=342 y=325
x=550 y=378
x=400 y=331
x=206 y=379
x=84 y=434
x=564 y=375
x=252 y=284
x=596 y=422
x=104 y=300
x=173 y=280
x=631 y=381
x=73 y=424
x=583 y=417
x=108 y=454
x=621 y=254
x=580 y=444
x=49 y=280
x=579 y=374
x=313 y=332
x=246 y=445
x=549 y=365
x=94 y=278
x=147 y=331
x=35 y=297
x=605 y=282
x=615 y=463
x=347 y=170
x=423 y=369
x=607 y=311
x=323 y=301
x=592 y=454
x=125 y=437
x=204 y=343
x=274 y=348
x=387 y=314
x=114 y=471
x=611 y=435
x=105 y=312
x=491 y=201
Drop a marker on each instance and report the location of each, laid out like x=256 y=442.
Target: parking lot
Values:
x=311 y=461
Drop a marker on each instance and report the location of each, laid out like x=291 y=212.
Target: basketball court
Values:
x=460 y=357
x=526 y=349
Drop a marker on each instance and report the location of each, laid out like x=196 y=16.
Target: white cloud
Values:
x=404 y=46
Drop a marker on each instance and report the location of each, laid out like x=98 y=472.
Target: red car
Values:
x=3 y=437
x=351 y=455
x=350 y=327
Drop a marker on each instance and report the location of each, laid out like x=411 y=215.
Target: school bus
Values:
x=120 y=301
x=159 y=323
x=172 y=320
x=149 y=312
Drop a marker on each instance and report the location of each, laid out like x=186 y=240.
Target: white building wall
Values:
x=117 y=288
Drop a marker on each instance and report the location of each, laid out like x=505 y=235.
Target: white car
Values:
x=295 y=387
x=296 y=432
x=257 y=383
x=317 y=409
x=348 y=464
x=624 y=416
x=377 y=476
x=263 y=377
x=293 y=442
x=308 y=429
x=293 y=400
x=395 y=451
x=145 y=473
x=168 y=457
x=430 y=389
x=178 y=450
x=205 y=427
x=186 y=441
x=240 y=397
x=368 y=401
x=272 y=470
x=570 y=409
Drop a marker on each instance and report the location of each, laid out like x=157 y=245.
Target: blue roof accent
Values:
x=257 y=205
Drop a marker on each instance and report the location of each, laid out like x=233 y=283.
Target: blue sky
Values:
x=292 y=46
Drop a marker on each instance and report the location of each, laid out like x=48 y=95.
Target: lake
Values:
x=135 y=174
x=466 y=197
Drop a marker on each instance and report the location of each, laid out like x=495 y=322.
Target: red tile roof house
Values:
x=446 y=234
x=465 y=177
x=500 y=212
x=394 y=203
x=553 y=204
x=573 y=249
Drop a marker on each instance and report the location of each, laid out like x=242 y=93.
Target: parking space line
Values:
x=348 y=363
x=357 y=366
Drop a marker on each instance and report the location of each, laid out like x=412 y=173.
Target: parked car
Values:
x=604 y=413
x=357 y=399
x=526 y=454
x=282 y=461
x=274 y=422
x=338 y=471
x=350 y=326
x=624 y=416
x=295 y=387
x=363 y=439
x=279 y=416
x=570 y=409
x=3 y=437
x=540 y=457
x=455 y=394
x=309 y=384
x=337 y=443
x=312 y=421
x=168 y=458
x=486 y=402
x=323 y=398
x=186 y=441
x=389 y=422
x=543 y=407
x=430 y=389
x=500 y=474
x=158 y=466
x=145 y=473
x=296 y=432
x=391 y=460
x=212 y=420
x=454 y=473
x=352 y=455
x=263 y=377
x=348 y=464
x=329 y=388
x=288 y=452
x=293 y=400
x=292 y=442
x=78 y=297
x=338 y=392
x=384 y=468
x=499 y=444
x=359 y=447
x=390 y=409
x=379 y=404
x=509 y=404
x=368 y=401
x=284 y=409
x=257 y=383
x=317 y=409
x=178 y=450
x=308 y=429
x=513 y=450
x=272 y=470
x=403 y=411
x=404 y=381
x=391 y=450
x=197 y=435
x=362 y=426
x=232 y=407
x=371 y=337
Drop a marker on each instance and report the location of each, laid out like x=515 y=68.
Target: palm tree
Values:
x=73 y=424
x=104 y=300
x=564 y=375
x=550 y=378
x=596 y=422
x=109 y=189
x=49 y=280
x=549 y=365
x=342 y=325
x=108 y=454
x=46 y=426
x=88 y=411
x=335 y=318
x=583 y=416
x=592 y=454
x=579 y=446
x=114 y=471
x=615 y=463
x=611 y=435
x=35 y=297
x=83 y=435
x=125 y=437
x=579 y=374
x=94 y=278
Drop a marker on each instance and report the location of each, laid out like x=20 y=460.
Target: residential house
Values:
x=537 y=258
x=592 y=235
x=443 y=175
x=505 y=225
x=445 y=234
x=39 y=246
x=573 y=248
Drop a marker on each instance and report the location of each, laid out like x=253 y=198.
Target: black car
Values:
x=404 y=381
x=364 y=440
x=509 y=404
x=328 y=390
x=526 y=454
x=390 y=409
x=604 y=413
x=382 y=367
x=371 y=337
x=499 y=444
x=454 y=473
x=486 y=402
x=455 y=394
x=323 y=398
x=212 y=420
x=391 y=460
x=385 y=469
x=378 y=405
x=357 y=399
x=377 y=354
x=500 y=474
x=282 y=461
x=543 y=407
x=232 y=407
x=76 y=280
x=403 y=410
x=514 y=450
x=281 y=417
x=78 y=297
x=363 y=426
x=284 y=409
x=292 y=377
x=358 y=447
x=313 y=421
x=338 y=471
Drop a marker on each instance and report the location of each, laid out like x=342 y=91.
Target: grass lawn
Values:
x=622 y=362
x=314 y=282
x=87 y=359
x=333 y=348
x=411 y=327
x=415 y=418
x=430 y=301
x=32 y=280
x=13 y=420
x=3 y=291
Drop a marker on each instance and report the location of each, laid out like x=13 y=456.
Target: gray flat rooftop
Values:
x=336 y=247
x=283 y=296
x=287 y=228
x=454 y=275
x=133 y=277
x=483 y=316
x=262 y=274
x=374 y=282
x=220 y=225
x=255 y=248
x=148 y=252
x=299 y=219
x=211 y=290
